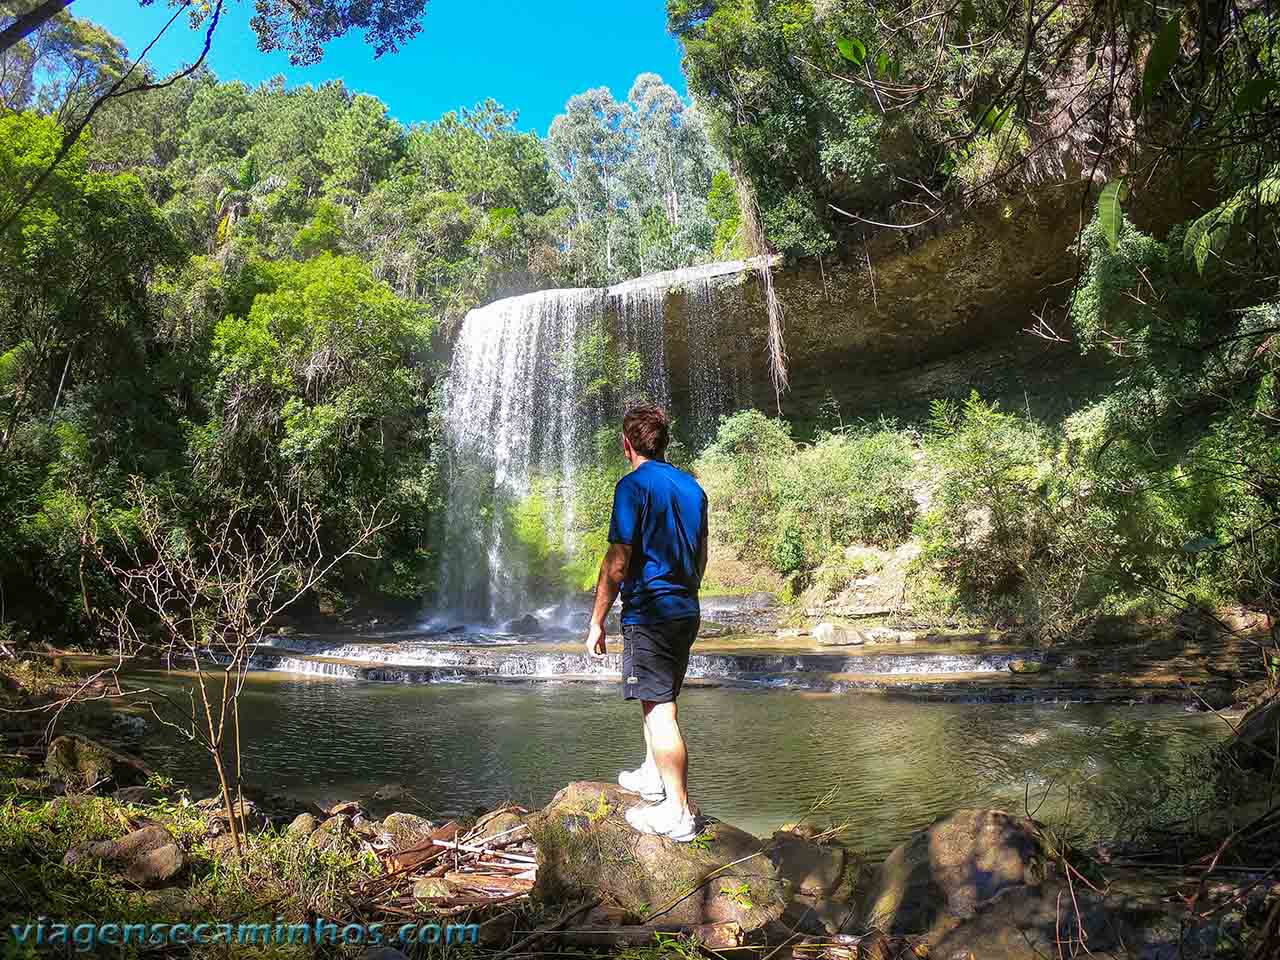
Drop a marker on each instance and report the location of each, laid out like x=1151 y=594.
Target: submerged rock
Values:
x=950 y=869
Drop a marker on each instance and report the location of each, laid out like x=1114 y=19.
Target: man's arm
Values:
x=613 y=570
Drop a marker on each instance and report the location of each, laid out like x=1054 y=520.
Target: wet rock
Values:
x=432 y=888
x=805 y=830
x=812 y=869
x=405 y=830
x=1022 y=666
x=526 y=626
x=391 y=791
x=831 y=635
x=950 y=869
x=586 y=847
x=82 y=763
x=303 y=825
x=157 y=867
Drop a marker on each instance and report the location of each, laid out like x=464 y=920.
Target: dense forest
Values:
x=229 y=292
x=224 y=291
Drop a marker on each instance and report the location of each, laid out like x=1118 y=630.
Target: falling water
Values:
x=524 y=407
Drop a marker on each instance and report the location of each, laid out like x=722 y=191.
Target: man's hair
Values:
x=648 y=429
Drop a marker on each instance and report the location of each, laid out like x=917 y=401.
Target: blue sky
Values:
x=529 y=55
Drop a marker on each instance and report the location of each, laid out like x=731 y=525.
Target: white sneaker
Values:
x=663 y=821
x=644 y=780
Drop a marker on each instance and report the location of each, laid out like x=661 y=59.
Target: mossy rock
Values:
x=406 y=830
x=952 y=868
x=586 y=848
x=82 y=763
x=498 y=822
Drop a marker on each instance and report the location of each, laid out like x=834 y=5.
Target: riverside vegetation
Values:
x=217 y=298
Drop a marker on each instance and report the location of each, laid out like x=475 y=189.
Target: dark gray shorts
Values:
x=655 y=657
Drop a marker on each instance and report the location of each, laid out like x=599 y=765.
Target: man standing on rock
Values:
x=657 y=556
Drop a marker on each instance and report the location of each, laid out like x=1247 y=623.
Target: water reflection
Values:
x=759 y=758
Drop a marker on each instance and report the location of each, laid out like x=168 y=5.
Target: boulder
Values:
x=303 y=825
x=333 y=833
x=950 y=869
x=405 y=830
x=149 y=856
x=500 y=821
x=82 y=763
x=831 y=635
x=1257 y=741
x=526 y=626
x=586 y=848
x=156 y=867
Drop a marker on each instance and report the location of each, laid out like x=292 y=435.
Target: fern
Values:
x=1209 y=234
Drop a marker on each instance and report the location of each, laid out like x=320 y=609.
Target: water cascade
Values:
x=536 y=386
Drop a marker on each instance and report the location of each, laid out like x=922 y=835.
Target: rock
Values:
x=812 y=869
x=806 y=830
x=791 y=633
x=223 y=845
x=247 y=813
x=383 y=953
x=432 y=888
x=889 y=635
x=500 y=821
x=303 y=825
x=333 y=833
x=1257 y=739
x=391 y=791
x=405 y=830
x=149 y=856
x=525 y=626
x=1022 y=666
x=950 y=869
x=346 y=808
x=830 y=635
x=586 y=847
x=158 y=867
x=140 y=796
x=83 y=763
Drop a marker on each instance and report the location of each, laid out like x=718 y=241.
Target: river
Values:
x=759 y=758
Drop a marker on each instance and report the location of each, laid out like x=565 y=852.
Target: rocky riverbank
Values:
x=981 y=883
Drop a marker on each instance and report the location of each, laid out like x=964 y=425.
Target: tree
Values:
x=301 y=27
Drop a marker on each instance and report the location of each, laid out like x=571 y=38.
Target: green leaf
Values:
x=853 y=50
x=882 y=63
x=1253 y=94
x=1110 y=211
x=1160 y=60
x=994 y=119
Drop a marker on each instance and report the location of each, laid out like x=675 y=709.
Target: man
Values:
x=657 y=556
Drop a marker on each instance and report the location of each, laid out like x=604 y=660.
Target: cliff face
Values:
x=909 y=316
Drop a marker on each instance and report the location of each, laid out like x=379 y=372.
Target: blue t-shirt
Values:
x=661 y=512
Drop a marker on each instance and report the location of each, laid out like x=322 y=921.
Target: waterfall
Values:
x=533 y=381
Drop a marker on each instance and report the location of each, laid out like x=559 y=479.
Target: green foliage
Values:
x=1209 y=234
x=793 y=506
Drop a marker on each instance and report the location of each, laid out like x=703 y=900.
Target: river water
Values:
x=759 y=758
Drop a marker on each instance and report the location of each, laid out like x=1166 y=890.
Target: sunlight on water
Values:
x=758 y=759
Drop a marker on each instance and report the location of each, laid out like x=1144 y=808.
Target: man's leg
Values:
x=666 y=743
x=649 y=760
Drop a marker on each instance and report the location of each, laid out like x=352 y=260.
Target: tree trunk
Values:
x=26 y=24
